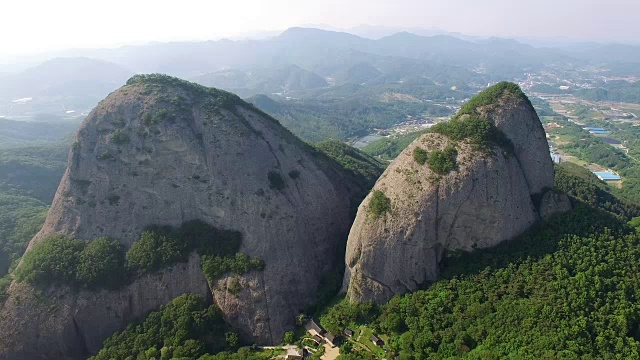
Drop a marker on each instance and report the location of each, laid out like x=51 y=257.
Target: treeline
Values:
x=564 y=289
x=33 y=171
x=363 y=166
x=585 y=186
x=21 y=218
x=102 y=262
x=185 y=328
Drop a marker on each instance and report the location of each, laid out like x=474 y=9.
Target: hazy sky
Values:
x=29 y=26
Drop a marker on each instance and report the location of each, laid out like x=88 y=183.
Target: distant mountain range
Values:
x=314 y=67
x=325 y=53
x=320 y=50
x=64 y=87
x=65 y=77
x=265 y=81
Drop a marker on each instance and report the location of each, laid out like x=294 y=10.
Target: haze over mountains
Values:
x=328 y=74
x=311 y=49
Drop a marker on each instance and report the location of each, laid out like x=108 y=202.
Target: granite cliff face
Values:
x=161 y=151
x=515 y=117
x=491 y=195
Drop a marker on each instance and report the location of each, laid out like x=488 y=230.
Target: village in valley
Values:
x=577 y=119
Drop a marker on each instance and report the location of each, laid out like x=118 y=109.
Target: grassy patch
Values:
x=443 y=161
x=276 y=182
x=214 y=267
x=59 y=259
x=379 y=204
x=476 y=130
x=119 y=137
x=365 y=340
x=102 y=262
x=490 y=96
x=420 y=155
x=294 y=174
x=222 y=98
x=105 y=155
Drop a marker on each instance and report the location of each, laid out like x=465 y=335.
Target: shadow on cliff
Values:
x=535 y=243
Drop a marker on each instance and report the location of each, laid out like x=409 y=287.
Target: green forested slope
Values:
x=388 y=148
x=29 y=177
x=566 y=289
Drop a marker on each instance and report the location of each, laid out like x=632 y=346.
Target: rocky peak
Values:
x=163 y=151
x=468 y=183
x=510 y=111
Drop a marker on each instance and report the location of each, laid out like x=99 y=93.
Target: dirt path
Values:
x=330 y=353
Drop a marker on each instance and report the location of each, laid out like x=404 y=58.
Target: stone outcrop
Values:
x=491 y=196
x=160 y=151
x=553 y=203
x=514 y=115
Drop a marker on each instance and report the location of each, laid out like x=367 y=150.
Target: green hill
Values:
x=565 y=289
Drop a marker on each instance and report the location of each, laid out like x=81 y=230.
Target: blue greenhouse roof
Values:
x=606 y=175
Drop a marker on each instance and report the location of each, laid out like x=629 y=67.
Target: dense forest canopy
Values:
x=564 y=289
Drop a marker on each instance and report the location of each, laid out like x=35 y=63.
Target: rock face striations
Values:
x=480 y=179
x=161 y=151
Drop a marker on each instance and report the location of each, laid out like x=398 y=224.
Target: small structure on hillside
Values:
x=376 y=340
x=555 y=157
x=318 y=339
x=597 y=131
x=348 y=332
x=607 y=175
x=315 y=326
x=295 y=354
x=332 y=339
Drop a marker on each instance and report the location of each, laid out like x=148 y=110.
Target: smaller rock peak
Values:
x=492 y=96
x=506 y=107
